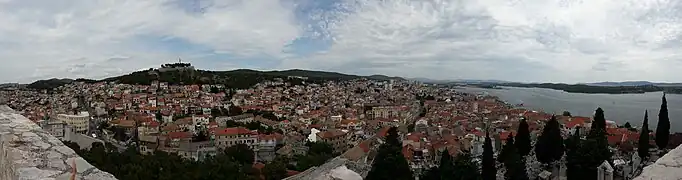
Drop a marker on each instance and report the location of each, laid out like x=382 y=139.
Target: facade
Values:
x=227 y=137
x=337 y=138
x=79 y=122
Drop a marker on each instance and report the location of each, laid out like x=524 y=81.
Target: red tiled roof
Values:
x=383 y=132
x=179 y=135
x=233 y=131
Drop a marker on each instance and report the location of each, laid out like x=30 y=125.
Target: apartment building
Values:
x=80 y=122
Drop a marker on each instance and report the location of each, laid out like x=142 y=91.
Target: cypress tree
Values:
x=598 y=127
x=488 y=169
x=572 y=165
x=643 y=144
x=389 y=162
x=447 y=167
x=593 y=151
x=465 y=168
x=514 y=164
x=663 y=127
x=550 y=145
x=523 y=138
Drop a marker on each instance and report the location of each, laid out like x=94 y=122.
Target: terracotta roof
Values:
x=179 y=135
x=233 y=131
x=330 y=134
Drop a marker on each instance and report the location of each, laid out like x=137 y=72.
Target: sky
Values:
x=567 y=41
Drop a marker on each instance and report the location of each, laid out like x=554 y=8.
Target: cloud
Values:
x=519 y=40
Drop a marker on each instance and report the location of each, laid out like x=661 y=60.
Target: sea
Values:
x=620 y=108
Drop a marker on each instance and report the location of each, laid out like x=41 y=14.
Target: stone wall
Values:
x=29 y=153
x=668 y=167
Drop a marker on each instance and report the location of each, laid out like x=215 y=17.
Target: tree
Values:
x=275 y=170
x=158 y=116
x=663 y=127
x=593 y=151
x=513 y=162
x=447 y=166
x=566 y=113
x=627 y=125
x=235 y=110
x=643 y=143
x=465 y=168
x=240 y=153
x=389 y=162
x=572 y=144
x=488 y=169
x=550 y=145
x=523 y=138
x=598 y=127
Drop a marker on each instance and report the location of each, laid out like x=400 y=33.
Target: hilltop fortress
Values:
x=179 y=66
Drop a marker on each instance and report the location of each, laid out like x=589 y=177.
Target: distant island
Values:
x=588 y=89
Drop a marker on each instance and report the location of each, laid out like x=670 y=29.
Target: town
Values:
x=278 y=119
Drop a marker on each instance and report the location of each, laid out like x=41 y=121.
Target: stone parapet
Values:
x=29 y=153
x=668 y=167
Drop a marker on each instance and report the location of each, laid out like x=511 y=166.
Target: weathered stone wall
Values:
x=29 y=153
x=668 y=167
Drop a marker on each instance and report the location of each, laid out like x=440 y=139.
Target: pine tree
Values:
x=488 y=169
x=523 y=138
x=643 y=144
x=550 y=145
x=663 y=127
x=513 y=162
x=389 y=162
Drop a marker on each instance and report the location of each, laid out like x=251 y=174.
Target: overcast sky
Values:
x=517 y=40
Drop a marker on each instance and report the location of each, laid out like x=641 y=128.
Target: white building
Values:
x=79 y=122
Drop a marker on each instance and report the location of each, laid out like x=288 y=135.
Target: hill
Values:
x=240 y=78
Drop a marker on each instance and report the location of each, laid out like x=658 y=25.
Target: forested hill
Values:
x=240 y=78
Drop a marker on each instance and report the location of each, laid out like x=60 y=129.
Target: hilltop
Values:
x=240 y=78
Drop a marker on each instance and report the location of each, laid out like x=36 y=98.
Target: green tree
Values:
x=663 y=127
x=550 y=146
x=572 y=167
x=275 y=170
x=158 y=116
x=593 y=151
x=447 y=166
x=643 y=143
x=513 y=162
x=465 y=168
x=488 y=169
x=598 y=128
x=523 y=138
x=627 y=125
x=566 y=113
x=235 y=110
x=240 y=153
x=389 y=162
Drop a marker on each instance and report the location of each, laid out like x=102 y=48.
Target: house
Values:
x=226 y=137
x=338 y=139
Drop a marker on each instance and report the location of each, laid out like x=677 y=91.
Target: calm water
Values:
x=620 y=108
